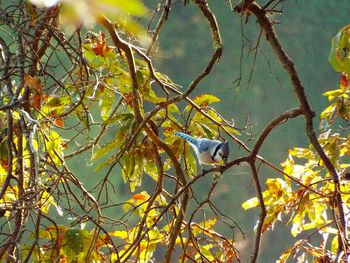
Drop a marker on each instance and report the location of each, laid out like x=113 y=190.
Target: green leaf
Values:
x=124 y=118
x=132 y=171
x=151 y=169
x=54 y=147
x=89 y=54
x=191 y=163
x=339 y=57
x=120 y=139
x=130 y=7
x=208 y=132
x=151 y=96
x=206 y=251
x=106 y=101
x=74 y=242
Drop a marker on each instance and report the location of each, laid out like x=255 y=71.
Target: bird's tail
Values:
x=188 y=138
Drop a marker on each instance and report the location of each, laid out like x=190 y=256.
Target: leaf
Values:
x=344 y=82
x=101 y=48
x=334 y=244
x=120 y=139
x=209 y=133
x=206 y=251
x=73 y=241
x=339 y=57
x=90 y=55
x=124 y=118
x=147 y=249
x=120 y=234
x=36 y=86
x=132 y=171
x=54 y=147
x=151 y=169
x=253 y=202
x=205 y=226
x=328 y=112
x=285 y=255
x=138 y=201
x=151 y=96
x=45 y=202
x=191 y=163
x=141 y=197
x=76 y=243
x=335 y=93
x=203 y=101
x=106 y=101
x=86 y=12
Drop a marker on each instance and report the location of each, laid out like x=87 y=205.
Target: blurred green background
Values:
x=251 y=93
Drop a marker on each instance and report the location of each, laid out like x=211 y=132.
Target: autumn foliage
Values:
x=71 y=96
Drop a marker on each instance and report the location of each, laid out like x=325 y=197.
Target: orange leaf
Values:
x=5 y=164
x=101 y=47
x=36 y=86
x=64 y=146
x=59 y=122
x=344 y=82
x=32 y=82
x=128 y=98
x=139 y=197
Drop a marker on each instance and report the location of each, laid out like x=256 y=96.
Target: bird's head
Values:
x=224 y=151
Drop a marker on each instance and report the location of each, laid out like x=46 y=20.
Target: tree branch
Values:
x=288 y=65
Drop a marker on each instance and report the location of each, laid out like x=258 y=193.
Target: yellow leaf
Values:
x=335 y=93
x=203 y=101
x=253 y=202
x=121 y=234
x=283 y=258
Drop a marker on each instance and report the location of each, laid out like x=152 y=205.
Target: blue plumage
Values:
x=208 y=151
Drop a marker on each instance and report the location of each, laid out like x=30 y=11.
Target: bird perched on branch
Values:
x=212 y=152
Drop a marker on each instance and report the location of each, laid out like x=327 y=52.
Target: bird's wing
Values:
x=207 y=145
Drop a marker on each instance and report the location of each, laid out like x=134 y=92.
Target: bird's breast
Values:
x=205 y=158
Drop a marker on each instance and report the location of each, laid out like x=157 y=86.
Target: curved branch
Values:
x=283 y=117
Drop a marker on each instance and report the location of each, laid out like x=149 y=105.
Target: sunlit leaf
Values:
x=335 y=93
x=339 y=56
x=285 y=255
x=203 y=101
x=120 y=234
x=86 y=11
x=191 y=163
x=253 y=202
x=105 y=102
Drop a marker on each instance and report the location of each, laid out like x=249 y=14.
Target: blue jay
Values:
x=211 y=152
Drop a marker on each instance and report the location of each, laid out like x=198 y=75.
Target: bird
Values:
x=209 y=152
